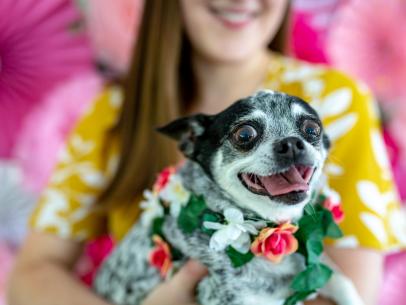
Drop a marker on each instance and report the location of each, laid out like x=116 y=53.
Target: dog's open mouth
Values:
x=294 y=180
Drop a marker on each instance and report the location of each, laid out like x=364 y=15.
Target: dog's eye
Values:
x=311 y=128
x=244 y=134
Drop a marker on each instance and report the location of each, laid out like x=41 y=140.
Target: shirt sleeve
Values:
x=358 y=167
x=67 y=205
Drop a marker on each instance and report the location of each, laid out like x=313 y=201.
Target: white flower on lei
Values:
x=235 y=233
x=175 y=194
x=152 y=208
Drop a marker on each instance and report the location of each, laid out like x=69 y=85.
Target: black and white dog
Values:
x=263 y=156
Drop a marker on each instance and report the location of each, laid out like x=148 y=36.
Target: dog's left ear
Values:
x=186 y=131
x=326 y=142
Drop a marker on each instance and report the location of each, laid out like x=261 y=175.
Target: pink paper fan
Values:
x=47 y=126
x=38 y=49
x=393 y=285
x=397 y=127
x=311 y=21
x=367 y=40
x=112 y=27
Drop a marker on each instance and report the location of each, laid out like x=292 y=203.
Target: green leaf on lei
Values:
x=298 y=296
x=314 y=248
x=313 y=277
x=190 y=216
x=211 y=217
x=316 y=224
x=331 y=229
x=238 y=259
x=156 y=228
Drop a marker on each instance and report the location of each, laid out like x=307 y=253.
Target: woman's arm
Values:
x=363 y=267
x=43 y=276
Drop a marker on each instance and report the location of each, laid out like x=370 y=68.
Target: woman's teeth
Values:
x=235 y=17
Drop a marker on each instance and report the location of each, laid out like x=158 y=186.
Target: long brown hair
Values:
x=160 y=87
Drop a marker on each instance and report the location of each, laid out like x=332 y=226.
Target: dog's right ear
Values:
x=186 y=131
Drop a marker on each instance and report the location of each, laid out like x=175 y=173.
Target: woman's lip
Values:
x=234 y=18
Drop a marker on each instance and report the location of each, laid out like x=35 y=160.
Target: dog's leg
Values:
x=209 y=293
x=340 y=288
x=215 y=288
x=126 y=277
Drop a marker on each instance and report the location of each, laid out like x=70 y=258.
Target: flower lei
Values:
x=243 y=239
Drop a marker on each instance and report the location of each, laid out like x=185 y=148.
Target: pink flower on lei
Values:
x=160 y=256
x=276 y=243
x=95 y=253
x=163 y=178
x=335 y=208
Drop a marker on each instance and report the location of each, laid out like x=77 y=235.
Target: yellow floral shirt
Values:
x=357 y=168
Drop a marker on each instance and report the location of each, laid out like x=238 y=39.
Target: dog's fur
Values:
x=214 y=163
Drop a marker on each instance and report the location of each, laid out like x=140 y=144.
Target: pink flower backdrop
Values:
x=349 y=35
x=111 y=25
x=39 y=48
x=49 y=51
x=49 y=75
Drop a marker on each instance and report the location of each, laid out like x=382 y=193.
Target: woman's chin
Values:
x=233 y=52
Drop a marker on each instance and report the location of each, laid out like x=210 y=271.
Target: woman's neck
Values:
x=220 y=84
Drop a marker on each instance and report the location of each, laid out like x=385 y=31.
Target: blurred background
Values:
x=56 y=59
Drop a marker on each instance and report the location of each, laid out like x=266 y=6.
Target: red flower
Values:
x=95 y=253
x=275 y=243
x=163 y=178
x=160 y=257
x=335 y=209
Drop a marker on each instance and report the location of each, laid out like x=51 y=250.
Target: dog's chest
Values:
x=263 y=278
x=257 y=279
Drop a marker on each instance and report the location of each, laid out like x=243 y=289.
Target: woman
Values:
x=195 y=56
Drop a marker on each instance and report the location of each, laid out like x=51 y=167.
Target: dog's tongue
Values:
x=287 y=182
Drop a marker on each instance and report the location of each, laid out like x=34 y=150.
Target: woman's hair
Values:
x=159 y=87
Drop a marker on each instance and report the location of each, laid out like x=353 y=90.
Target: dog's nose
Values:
x=291 y=147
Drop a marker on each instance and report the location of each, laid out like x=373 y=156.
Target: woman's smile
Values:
x=235 y=17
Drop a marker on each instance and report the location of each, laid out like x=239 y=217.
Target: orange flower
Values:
x=275 y=243
x=163 y=178
x=160 y=257
x=335 y=209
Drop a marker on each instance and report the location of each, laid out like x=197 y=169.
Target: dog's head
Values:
x=266 y=151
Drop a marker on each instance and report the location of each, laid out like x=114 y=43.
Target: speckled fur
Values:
x=126 y=277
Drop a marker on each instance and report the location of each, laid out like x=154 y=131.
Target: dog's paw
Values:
x=350 y=296
x=341 y=290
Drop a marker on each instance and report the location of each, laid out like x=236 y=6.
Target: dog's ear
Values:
x=326 y=142
x=186 y=131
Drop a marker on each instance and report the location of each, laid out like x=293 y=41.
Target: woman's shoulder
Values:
x=85 y=165
x=350 y=119
x=102 y=114
x=331 y=91
x=288 y=70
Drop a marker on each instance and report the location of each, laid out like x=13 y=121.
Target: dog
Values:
x=260 y=159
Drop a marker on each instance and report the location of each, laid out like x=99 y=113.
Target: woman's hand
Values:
x=363 y=267
x=180 y=290
x=42 y=274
